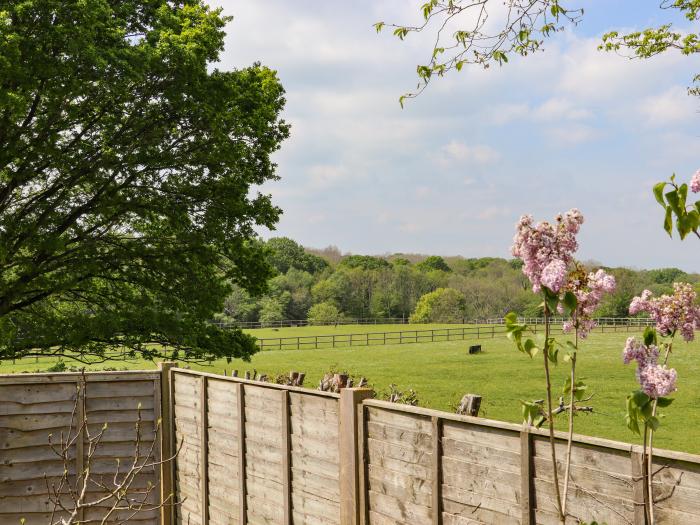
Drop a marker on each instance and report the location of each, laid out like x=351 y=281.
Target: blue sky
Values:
x=451 y=173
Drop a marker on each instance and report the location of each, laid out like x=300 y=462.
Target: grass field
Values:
x=442 y=372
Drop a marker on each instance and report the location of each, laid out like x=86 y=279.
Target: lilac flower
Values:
x=541 y=244
x=695 y=182
x=655 y=380
x=671 y=313
x=589 y=290
x=554 y=275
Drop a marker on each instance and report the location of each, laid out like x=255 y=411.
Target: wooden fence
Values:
x=258 y=453
x=413 y=336
x=32 y=406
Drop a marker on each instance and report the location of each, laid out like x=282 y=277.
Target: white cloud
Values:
x=573 y=134
x=327 y=175
x=456 y=152
x=560 y=109
x=494 y=212
x=670 y=107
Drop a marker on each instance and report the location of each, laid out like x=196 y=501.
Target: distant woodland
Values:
x=328 y=286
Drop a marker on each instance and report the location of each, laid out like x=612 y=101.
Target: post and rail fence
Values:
x=291 y=323
x=436 y=335
x=254 y=453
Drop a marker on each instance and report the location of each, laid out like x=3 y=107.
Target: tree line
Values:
x=324 y=286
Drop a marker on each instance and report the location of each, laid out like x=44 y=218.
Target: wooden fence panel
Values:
x=315 y=459
x=601 y=486
x=32 y=406
x=481 y=473
x=399 y=470
x=223 y=453
x=271 y=452
x=187 y=412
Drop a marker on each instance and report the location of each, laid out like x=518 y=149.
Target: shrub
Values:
x=324 y=313
x=444 y=305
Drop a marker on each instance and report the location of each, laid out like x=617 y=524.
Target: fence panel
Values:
x=425 y=466
x=271 y=454
x=32 y=406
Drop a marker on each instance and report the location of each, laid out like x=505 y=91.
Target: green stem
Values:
x=650 y=455
x=645 y=477
x=570 y=436
x=550 y=420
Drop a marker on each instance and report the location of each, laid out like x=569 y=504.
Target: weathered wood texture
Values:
x=289 y=470
x=32 y=406
x=258 y=453
x=492 y=472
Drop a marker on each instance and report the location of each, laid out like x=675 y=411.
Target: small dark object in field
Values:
x=475 y=349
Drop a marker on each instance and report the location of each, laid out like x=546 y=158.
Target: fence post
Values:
x=167 y=470
x=81 y=416
x=437 y=470
x=638 y=486
x=204 y=449
x=286 y=458
x=351 y=440
x=241 y=467
x=526 y=480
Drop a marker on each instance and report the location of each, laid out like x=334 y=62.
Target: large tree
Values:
x=128 y=167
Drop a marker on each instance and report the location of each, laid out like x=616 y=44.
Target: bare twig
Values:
x=116 y=498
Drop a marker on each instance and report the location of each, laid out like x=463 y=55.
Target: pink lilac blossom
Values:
x=554 y=275
x=671 y=313
x=538 y=245
x=589 y=293
x=695 y=182
x=656 y=380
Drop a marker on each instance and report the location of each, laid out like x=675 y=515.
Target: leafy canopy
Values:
x=127 y=169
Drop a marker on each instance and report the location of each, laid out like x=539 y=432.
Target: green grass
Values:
x=442 y=372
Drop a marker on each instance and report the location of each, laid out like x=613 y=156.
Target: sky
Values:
x=452 y=171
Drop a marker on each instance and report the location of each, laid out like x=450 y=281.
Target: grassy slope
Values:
x=442 y=372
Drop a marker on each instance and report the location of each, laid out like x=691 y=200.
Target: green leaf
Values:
x=668 y=222
x=633 y=424
x=569 y=302
x=650 y=337
x=663 y=402
x=379 y=26
x=682 y=195
x=640 y=399
x=659 y=193
x=530 y=347
x=551 y=299
x=653 y=422
x=674 y=202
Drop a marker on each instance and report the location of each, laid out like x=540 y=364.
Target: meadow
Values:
x=442 y=372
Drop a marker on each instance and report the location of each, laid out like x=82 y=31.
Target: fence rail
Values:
x=292 y=323
x=437 y=335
